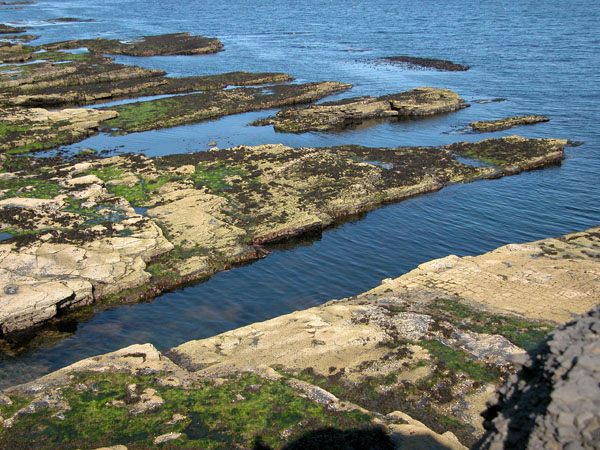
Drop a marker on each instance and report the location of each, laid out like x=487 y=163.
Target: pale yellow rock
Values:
x=520 y=279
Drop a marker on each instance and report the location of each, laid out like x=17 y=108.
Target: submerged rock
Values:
x=415 y=103
x=503 y=124
x=437 y=64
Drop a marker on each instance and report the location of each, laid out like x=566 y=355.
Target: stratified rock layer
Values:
x=77 y=237
x=161 y=45
x=415 y=103
x=407 y=365
x=554 y=400
x=510 y=122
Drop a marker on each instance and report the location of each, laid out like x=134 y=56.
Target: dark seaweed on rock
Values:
x=437 y=64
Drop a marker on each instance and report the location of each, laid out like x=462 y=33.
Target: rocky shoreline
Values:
x=77 y=237
x=411 y=363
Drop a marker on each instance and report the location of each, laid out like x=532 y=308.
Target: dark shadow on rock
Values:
x=373 y=438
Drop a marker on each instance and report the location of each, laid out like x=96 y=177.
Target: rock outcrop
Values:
x=76 y=237
x=503 y=124
x=427 y=63
x=161 y=45
x=554 y=400
x=415 y=103
x=194 y=108
x=409 y=364
x=34 y=129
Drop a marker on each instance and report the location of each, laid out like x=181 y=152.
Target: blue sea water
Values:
x=542 y=58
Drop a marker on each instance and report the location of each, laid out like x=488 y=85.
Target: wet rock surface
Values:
x=510 y=122
x=77 y=238
x=193 y=108
x=554 y=400
x=415 y=103
x=34 y=129
x=161 y=45
x=428 y=63
x=409 y=364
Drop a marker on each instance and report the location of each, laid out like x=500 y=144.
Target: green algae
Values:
x=28 y=187
x=526 y=334
x=459 y=360
x=232 y=414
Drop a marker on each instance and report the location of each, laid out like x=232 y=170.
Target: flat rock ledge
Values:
x=76 y=237
x=415 y=103
x=161 y=45
x=504 y=124
x=409 y=364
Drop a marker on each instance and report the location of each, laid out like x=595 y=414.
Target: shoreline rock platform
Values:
x=77 y=239
x=416 y=103
x=504 y=124
x=409 y=364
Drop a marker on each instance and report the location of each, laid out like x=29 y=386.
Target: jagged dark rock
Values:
x=554 y=400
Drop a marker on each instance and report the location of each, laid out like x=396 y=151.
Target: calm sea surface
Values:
x=543 y=58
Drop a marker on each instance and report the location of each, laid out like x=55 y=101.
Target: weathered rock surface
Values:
x=77 y=238
x=162 y=45
x=25 y=130
x=418 y=357
x=415 y=103
x=510 y=122
x=64 y=79
x=7 y=29
x=193 y=108
x=554 y=400
x=437 y=64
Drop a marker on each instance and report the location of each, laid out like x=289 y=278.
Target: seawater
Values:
x=541 y=58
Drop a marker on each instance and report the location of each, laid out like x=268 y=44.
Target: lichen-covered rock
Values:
x=554 y=400
x=415 y=103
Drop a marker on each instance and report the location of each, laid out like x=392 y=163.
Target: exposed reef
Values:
x=553 y=401
x=77 y=238
x=428 y=63
x=7 y=29
x=510 y=122
x=193 y=108
x=58 y=79
x=35 y=129
x=409 y=364
x=162 y=45
x=415 y=103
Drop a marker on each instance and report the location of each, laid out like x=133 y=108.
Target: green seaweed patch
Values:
x=18 y=402
x=29 y=187
x=214 y=176
x=526 y=334
x=456 y=359
x=415 y=399
x=233 y=414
